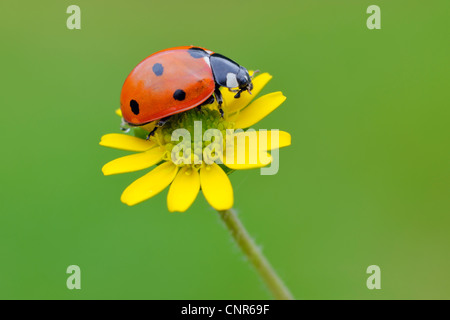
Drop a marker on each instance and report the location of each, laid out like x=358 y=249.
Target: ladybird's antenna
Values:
x=255 y=73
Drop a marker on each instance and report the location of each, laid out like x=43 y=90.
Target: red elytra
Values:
x=165 y=83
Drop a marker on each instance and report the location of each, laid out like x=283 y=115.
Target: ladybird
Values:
x=176 y=80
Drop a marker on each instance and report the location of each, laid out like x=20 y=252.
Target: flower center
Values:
x=193 y=137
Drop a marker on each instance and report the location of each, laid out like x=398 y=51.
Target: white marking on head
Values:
x=207 y=61
x=232 y=81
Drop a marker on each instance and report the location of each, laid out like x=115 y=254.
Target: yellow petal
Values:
x=264 y=139
x=126 y=142
x=119 y=112
x=246 y=153
x=284 y=140
x=231 y=104
x=183 y=190
x=134 y=162
x=149 y=185
x=257 y=110
x=216 y=187
x=261 y=161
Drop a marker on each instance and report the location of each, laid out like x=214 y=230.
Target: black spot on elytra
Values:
x=197 y=53
x=179 y=95
x=158 y=69
x=134 y=107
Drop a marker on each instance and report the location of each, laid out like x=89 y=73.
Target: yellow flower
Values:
x=186 y=178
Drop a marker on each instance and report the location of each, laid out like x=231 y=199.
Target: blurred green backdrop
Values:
x=364 y=182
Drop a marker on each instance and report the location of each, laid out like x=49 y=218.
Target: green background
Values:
x=364 y=182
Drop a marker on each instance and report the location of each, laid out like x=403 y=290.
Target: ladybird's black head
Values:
x=244 y=80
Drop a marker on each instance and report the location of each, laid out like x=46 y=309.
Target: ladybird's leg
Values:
x=152 y=133
x=219 y=99
x=238 y=94
x=210 y=100
x=159 y=124
x=218 y=96
x=162 y=122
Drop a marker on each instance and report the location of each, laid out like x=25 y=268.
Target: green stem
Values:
x=254 y=254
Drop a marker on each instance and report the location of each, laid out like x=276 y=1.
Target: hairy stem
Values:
x=254 y=254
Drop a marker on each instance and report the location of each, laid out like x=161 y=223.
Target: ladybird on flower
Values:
x=197 y=148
